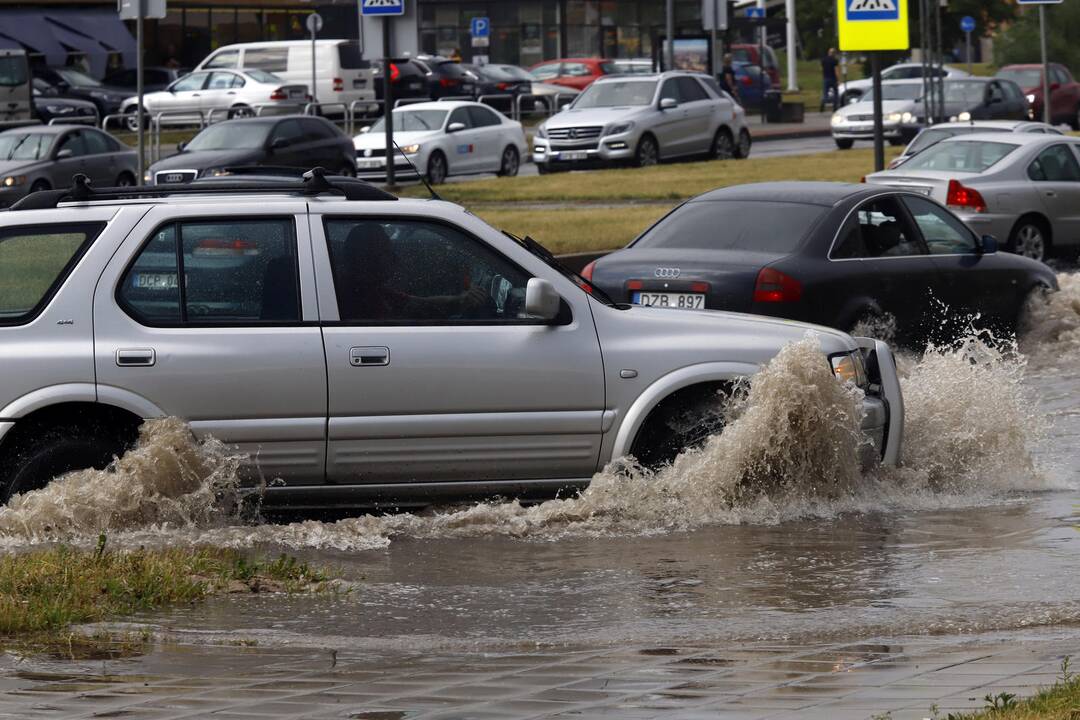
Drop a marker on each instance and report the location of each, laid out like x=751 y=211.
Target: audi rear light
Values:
x=960 y=197
x=774 y=286
x=279 y=94
x=216 y=247
x=339 y=85
x=503 y=86
x=449 y=82
x=699 y=287
x=634 y=284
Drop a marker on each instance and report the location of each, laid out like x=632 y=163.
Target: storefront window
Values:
x=196 y=36
x=248 y=27
x=169 y=40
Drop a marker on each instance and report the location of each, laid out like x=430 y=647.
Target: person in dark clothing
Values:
x=830 y=80
x=727 y=77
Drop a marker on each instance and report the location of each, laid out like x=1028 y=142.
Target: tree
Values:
x=1020 y=43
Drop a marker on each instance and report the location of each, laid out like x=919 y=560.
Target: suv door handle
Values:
x=369 y=356
x=136 y=357
x=1049 y=193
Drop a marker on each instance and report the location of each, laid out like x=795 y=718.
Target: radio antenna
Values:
x=434 y=195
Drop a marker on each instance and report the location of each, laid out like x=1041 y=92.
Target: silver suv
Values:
x=357 y=346
x=643 y=119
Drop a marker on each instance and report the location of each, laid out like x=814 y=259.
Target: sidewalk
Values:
x=906 y=678
x=816 y=125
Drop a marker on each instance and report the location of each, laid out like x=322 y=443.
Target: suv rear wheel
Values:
x=742 y=148
x=38 y=453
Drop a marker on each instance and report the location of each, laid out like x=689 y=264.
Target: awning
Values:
x=54 y=33
x=7 y=43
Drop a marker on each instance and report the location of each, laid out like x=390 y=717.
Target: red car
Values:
x=1064 y=91
x=749 y=53
x=577 y=73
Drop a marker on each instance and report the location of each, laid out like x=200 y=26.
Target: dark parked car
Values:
x=69 y=82
x=43 y=157
x=500 y=80
x=828 y=253
x=408 y=78
x=299 y=141
x=446 y=77
x=975 y=98
x=63 y=109
x=154 y=78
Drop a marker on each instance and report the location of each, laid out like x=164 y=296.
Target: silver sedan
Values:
x=45 y=157
x=1020 y=187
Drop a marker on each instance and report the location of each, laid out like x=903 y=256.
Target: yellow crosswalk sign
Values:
x=873 y=25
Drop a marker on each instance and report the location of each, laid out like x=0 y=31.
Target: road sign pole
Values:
x=879 y=130
x=789 y=10
x=314 y=78
x=139 y=91
x=388 y=99
x=1045 y=66
x=669 y=21
x=967 y=49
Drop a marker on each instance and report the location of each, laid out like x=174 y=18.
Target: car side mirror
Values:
x=181 y=145
x=668 y=103
x=278 y=143
x=989 y=245
x=455 y=127
x=365 y=129
x=542 y=301
x=65 y=154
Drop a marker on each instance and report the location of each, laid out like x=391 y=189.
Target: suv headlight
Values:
x=620 y=128
x=837 y=118
x=541 y=131
x=849 y=367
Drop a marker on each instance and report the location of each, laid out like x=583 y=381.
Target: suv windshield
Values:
x=960 y=156
x=413 y=121
x=1024 y=77
x=228 y=136
x=25 y=146
x=759 y=226
x=617 y=93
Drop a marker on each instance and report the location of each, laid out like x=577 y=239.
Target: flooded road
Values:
x=769 y=533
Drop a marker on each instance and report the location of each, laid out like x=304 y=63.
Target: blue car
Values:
x=752 y=83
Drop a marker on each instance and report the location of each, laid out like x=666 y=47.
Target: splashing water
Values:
x=1051 y=324
x=789 y=449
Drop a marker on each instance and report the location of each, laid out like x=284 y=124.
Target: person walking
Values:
x=830 y=80
x=727 y=77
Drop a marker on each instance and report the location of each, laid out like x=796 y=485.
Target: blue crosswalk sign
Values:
x=872 y=10
x=480 y=27
x=755 y=12
x=382 y=7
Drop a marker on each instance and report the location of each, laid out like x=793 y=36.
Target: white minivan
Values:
x=16 y=103
x=341 y=75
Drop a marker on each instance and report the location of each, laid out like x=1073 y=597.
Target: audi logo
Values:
x=668 y=273
x=174 y=178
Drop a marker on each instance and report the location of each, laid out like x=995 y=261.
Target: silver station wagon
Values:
x=359 y=347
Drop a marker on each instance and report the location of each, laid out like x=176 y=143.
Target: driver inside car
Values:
x=366 y=292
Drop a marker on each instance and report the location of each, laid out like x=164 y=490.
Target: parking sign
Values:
x=480 y=29
x=873 y=24
x=382 y=7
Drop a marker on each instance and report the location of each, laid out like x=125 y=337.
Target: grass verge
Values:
x=569 y=229
x=44 y=592
x=674 y=181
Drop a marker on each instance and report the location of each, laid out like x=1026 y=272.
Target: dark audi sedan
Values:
x=827 y=253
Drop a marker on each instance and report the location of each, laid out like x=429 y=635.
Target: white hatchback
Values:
x=441 y=139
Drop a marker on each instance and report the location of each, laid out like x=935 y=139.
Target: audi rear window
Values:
x=759 y=226
x=34 y=261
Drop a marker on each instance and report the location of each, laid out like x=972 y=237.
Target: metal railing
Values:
x=318 y=108
x=156 y=122
x=108 y=119
x=276 y=106
x=411 y=101
x=367 y=105
x=486 y=100
x=91 y=120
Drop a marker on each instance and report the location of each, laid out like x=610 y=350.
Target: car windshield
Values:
x=615 y=94
x=964 y=92
x=263 y=76
x=229 y=136
x=413 y=121
x=25 y=146
x=762 y=226
x=973 y=156
x=907 y=91
x=76 y=78
x=932 y=136
x=1024 y=77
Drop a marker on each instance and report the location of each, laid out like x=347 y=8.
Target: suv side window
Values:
x=690 y=90
x=35 y=260
x=670 y=89
x=1054 y=164
x=943 y=233
x=224 y=59
x=482 y=117
x=236 y=272
x=414 y=272
x=878 y=229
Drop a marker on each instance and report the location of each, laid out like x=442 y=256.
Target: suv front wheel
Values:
x=648 y=152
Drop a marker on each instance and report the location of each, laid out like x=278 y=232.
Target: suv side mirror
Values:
x=542 y=301
x=668 y=103
x=455 y=127
x=181 y=145
x=989 y=244
x=278 y=143
x=65 y=154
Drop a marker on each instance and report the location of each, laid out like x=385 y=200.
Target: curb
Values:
x=793 y=134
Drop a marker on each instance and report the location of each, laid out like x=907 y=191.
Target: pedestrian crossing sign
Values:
x=382 y=7
x=873 y=25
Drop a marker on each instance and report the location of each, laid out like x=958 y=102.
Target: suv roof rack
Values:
x=314 y=182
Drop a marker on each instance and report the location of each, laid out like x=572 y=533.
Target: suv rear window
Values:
x=761 y=226
x=34 y=261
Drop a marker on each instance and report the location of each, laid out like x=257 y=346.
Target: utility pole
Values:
x=789 y=10
x=669 y=51
x=139 y=91
x=1045 y=66
x=388 y=99
x=940 y=73
x=879 y=130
